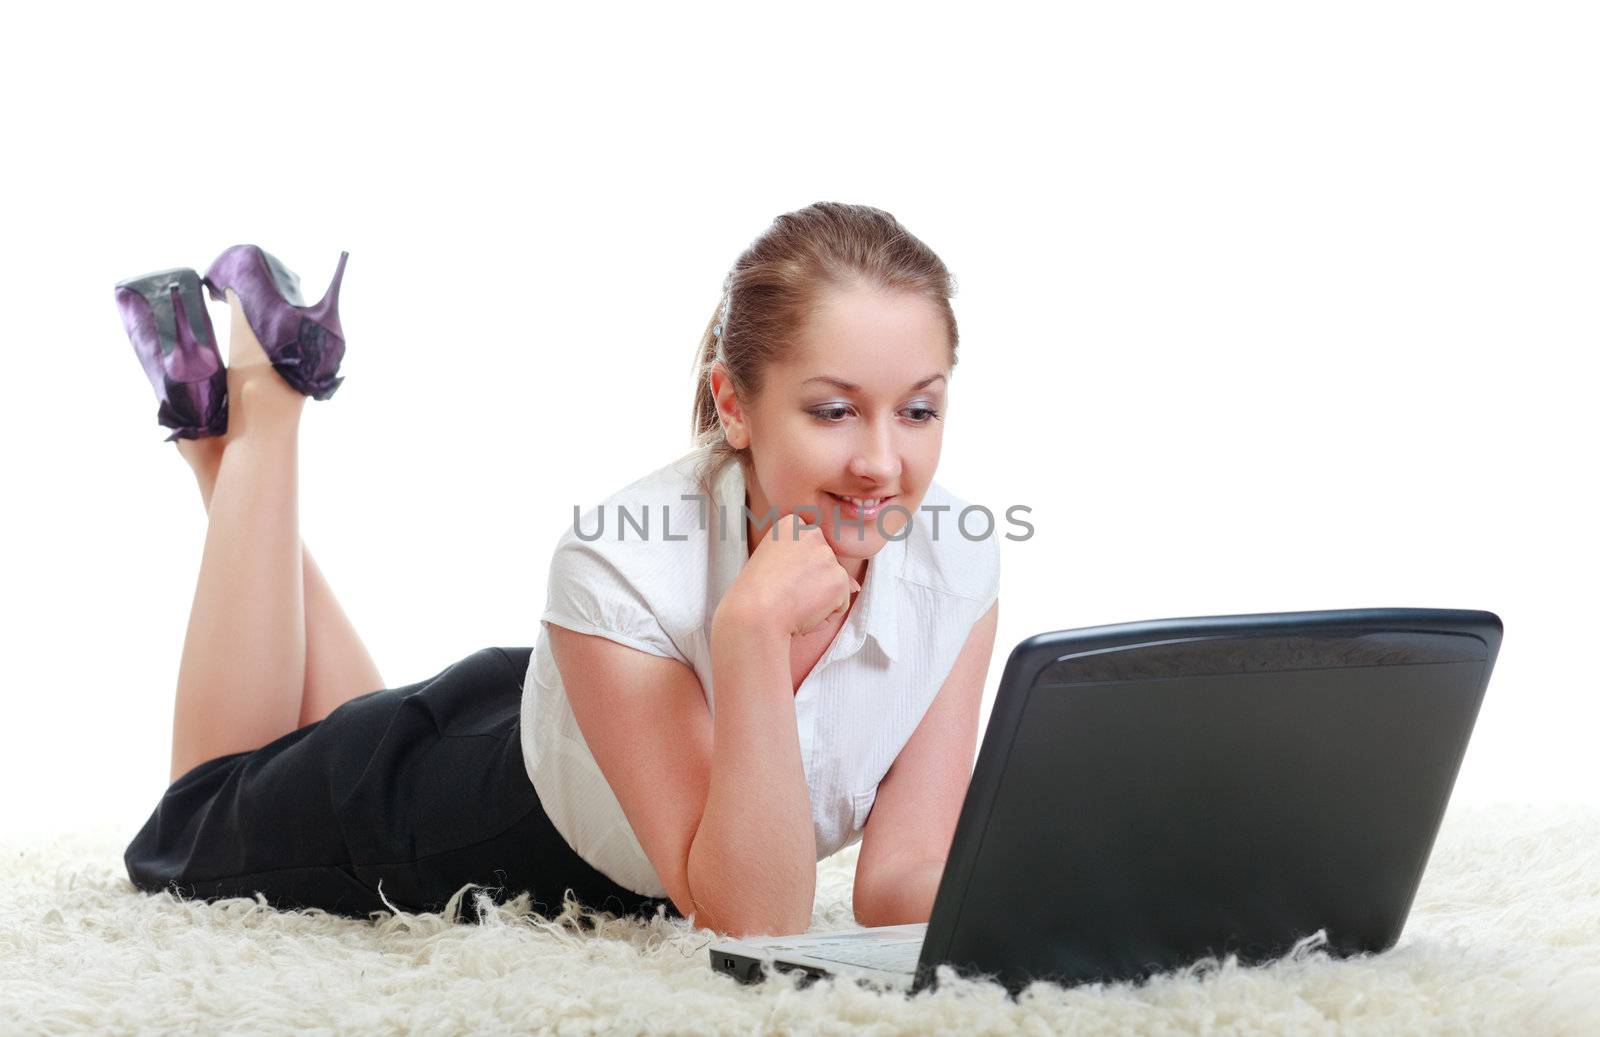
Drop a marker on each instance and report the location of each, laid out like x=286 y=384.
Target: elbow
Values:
x=752 y=919
x=878 y=908
x=865 y=913
x=753 y=928
x=752 y=923
x=863 y=905
x=740 y=911
x=869 y=915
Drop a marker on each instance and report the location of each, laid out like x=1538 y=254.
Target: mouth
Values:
x=859 y=507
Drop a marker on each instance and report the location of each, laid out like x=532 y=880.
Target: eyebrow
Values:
x=845 y=386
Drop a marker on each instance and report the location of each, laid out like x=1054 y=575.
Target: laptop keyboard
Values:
x=888 y=955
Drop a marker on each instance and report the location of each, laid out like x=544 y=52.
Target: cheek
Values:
x=794 y=443
x=814 y=463
x=800 y=475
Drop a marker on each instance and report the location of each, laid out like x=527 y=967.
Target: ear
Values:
x=728 y=407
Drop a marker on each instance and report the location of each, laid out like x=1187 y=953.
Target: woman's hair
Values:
x=776 y=284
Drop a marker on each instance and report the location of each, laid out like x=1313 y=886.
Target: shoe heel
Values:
x=194 y=356
x=165 y=316
x=326 y=311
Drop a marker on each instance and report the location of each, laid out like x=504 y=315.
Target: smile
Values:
x=859 y=507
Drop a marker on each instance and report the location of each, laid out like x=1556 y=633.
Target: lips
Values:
x=859 y=507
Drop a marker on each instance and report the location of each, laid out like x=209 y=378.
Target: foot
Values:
x=305 y=343
x=250 y=372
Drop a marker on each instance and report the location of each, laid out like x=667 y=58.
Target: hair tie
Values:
x=717 y=331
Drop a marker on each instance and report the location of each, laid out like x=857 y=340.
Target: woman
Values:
x=790 y=658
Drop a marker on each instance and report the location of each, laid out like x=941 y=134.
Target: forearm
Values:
x=752 y=862
x=901 y=895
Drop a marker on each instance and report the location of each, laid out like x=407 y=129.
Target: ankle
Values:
x=204 y=457
x=257 y=393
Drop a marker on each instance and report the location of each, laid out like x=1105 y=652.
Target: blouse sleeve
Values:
x=588 y=593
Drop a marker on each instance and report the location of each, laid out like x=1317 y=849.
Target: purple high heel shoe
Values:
x=166 y=319
x=304 y=343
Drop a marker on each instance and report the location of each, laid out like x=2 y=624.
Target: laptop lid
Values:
x=1147 y=794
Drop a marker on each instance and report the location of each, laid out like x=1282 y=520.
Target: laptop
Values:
x=1150 y=794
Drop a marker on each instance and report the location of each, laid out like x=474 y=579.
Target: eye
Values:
x=833 y=415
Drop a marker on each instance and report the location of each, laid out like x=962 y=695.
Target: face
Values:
x=858 y=411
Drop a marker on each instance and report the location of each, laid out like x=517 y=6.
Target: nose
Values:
x=876 y=461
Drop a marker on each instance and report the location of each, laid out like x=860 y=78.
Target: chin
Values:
x=849 y=547
x=853 y=542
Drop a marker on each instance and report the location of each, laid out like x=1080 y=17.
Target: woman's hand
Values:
x=792 y=583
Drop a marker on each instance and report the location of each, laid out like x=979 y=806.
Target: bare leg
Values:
x=338 y=665
x=244 y=652
x=242 y=678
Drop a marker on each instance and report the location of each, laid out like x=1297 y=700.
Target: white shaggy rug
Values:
x=1504 y=938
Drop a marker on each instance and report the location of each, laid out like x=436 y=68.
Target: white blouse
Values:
x=657 y=593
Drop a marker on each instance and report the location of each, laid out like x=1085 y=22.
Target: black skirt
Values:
x=417 y=790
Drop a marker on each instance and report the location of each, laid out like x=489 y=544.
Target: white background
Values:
x=1263 y=307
